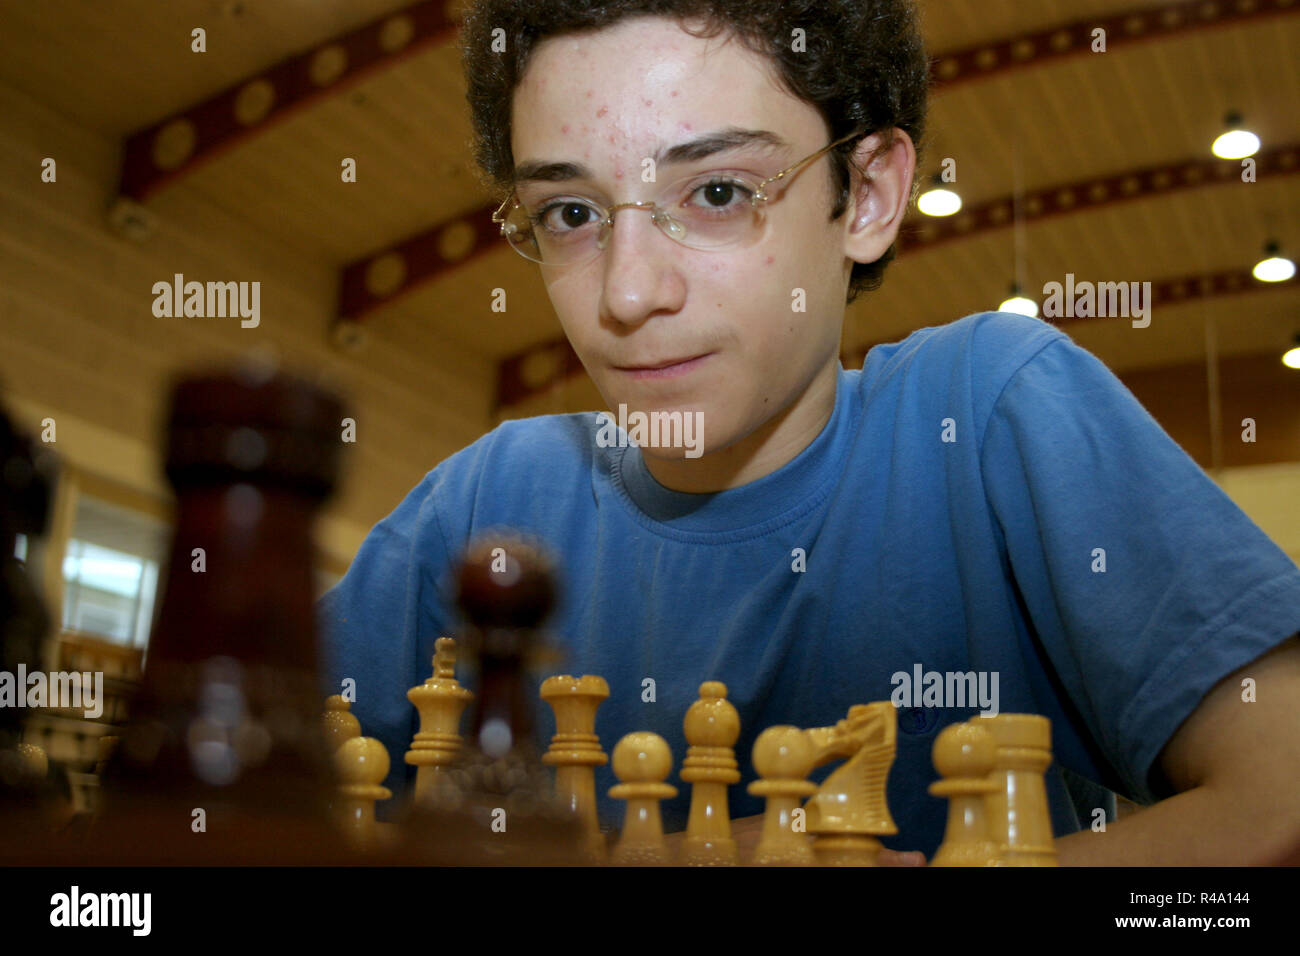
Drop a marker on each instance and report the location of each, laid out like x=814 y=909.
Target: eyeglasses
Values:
x=567 y=230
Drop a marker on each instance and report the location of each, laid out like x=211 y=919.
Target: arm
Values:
x=1187 y=596
x=1235 y=765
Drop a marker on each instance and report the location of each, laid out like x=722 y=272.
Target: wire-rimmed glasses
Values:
x=569 y=230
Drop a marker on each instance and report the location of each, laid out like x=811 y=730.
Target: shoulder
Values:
x=499 y=478
x=964 y=364
x=989 y=341
x=545 y=447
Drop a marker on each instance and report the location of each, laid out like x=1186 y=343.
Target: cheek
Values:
x=569 y=300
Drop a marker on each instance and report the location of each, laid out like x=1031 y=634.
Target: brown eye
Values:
x=718 y=194
x=572 y=215
x=717 y=197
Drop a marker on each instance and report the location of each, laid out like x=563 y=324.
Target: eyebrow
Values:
x=720 y=141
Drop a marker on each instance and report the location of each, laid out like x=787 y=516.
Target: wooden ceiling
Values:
x=126 y=67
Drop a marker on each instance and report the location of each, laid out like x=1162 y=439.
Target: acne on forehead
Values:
x=668 y=55
x=637 y=121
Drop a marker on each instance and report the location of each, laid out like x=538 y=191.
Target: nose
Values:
x=641 y=277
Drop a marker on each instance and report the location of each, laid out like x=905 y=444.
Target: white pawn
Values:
x=642 y=761
x=712 y=726
x=362 y=764
x=964 y=755
x=783 y=757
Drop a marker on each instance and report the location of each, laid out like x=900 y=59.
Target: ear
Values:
x=878 y=203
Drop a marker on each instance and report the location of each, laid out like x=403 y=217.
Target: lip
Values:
x=669 y=369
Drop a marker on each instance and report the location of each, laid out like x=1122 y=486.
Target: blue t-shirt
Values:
x=986 y=497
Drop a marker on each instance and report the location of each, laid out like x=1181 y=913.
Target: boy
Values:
x=983 y=498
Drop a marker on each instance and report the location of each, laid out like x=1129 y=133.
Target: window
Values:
x=110 y=572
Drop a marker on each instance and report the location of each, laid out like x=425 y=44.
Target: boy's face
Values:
x=605 y=100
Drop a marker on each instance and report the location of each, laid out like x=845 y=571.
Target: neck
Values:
x=771 y=446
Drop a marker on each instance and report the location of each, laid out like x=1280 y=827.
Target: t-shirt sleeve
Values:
x=374 y=621
x=1144 y=583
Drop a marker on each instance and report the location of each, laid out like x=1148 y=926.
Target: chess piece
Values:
x=439 y=700
x=712 y=726
x=849 y=811
x=575 y=749
x=1019 y=819
x=27 y=478
x=496 y=804
x=223 y=759
x=964 y=755
x=27 y=475
x=362 y=764
x=783 y=757
x=642 y=762
x=338 y=722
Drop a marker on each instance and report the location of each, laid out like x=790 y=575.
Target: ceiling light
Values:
x=1235 y=142
x=939 y=200
x=1274 y=267
x=1018 y=303
x=1291 y=357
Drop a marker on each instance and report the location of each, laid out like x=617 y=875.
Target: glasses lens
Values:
x=709 y=211
x=561 y=230
x=712 y=211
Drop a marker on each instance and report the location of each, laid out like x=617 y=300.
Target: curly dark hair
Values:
x=864 y=68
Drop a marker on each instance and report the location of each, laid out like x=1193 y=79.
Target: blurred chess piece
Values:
x=964 y=756
x=712 y=725
x=642 y=762
x=783 y=758
x=575 y=749
x=338 y=722
x=1019 y=819
x=362 y=764
x=496 y=804
x=27 y=480
x=440 y=701
x=27 y=794
x=849 y=810
x=223 y=759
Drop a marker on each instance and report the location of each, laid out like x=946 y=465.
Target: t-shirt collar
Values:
x=793 y=489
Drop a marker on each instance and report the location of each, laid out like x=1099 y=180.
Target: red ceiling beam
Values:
x=1122 y=30
x=922 y=231
x=385 y=276
x=181 y=143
